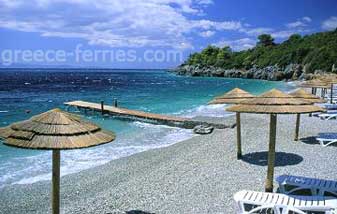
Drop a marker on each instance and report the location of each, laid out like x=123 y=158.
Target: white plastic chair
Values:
x=249 y=202
x=327 y=116
x=325 y=139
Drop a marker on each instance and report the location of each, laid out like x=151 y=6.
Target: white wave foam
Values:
x=141 y=137
x=207 y=111
x=26 y=170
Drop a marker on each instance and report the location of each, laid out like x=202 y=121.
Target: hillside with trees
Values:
x=307 y=54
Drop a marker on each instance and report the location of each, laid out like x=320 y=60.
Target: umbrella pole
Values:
x=331 y=93
x=297 y=129
x=238 y=135
x=56 y=182
x=271 y=153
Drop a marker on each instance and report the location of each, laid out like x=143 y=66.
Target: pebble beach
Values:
x=199 y=175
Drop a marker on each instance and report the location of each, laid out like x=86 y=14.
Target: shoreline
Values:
x=166 y=136
x=208 y=113
x=198 y=175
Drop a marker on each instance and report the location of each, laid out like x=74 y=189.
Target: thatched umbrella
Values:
x=302 y=94
x=234 y=96
x=274 y=102
x=330 y=81
x=314 y=84
x=55 y=130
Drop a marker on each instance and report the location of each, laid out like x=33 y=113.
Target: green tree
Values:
x=316 y=51
x=295 y=38
x=265 y=40
x=223 y=57
x=209 y=55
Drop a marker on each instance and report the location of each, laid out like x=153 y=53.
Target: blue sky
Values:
x=152 y=26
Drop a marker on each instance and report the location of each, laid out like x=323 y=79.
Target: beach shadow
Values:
x=309 y=140
x=281 y=158
x=137 y=212
x=312 y=141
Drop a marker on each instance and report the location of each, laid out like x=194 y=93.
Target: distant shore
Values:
x=199 y=175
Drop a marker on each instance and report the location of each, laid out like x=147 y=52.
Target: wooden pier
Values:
x=143 y=116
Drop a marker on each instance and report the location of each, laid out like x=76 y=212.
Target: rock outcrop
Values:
x=274 y=73
x=203 y=129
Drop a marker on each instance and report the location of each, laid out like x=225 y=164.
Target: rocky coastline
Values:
x=291 y=72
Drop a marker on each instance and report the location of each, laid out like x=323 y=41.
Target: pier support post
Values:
x=297 y=129
x=271 y=153
x=238 y=135
x=56 y=182
x=102 y=107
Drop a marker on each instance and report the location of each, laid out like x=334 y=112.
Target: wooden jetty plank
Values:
x=124 y=111
x=132 y=114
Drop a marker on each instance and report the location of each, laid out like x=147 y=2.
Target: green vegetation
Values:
x=317 y=51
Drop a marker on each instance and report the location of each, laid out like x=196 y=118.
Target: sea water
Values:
x=26 y=92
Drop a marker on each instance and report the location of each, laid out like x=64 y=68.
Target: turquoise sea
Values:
x=25 y=92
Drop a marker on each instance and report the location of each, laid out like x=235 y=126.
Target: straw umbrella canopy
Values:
x=55 y=130
x=314 y=84
x=302 y=94
x=234 y=96
x=330 y=80
x=274 y=102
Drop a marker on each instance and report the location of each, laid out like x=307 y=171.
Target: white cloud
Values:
x=283 y=34
x=207 y=33
x=237 y=45
x=301 y=23
x=280 y=34
x=114 y=23
x=330 y=24
x=205 y=2
x=257 y=31
x=296 y=24
x=306 y=19
x=207 y=24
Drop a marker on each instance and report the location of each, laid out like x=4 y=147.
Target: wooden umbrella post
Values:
x=331 y=93
x=271 y=153
x=102 y=107
x=56 y=182
x=325 y=91
x=238 y=135
x=46 y=126
x=297 y=129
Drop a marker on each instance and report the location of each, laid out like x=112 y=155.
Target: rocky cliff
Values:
x=274 y=73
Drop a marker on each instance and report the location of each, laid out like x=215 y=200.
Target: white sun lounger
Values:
x=249 y=202
x=289 y=184
x=325 y=139
x=328 y=115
